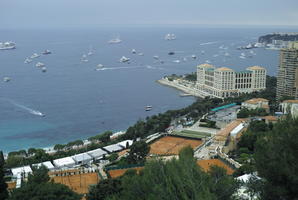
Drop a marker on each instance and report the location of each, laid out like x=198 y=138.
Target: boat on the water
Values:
x=84 y=58
x=171 y=53
x=156 y=57
x=148 y=108
x=90 y=53
x=35 y=55
x=27 y=61
x=99 y=67
x=176 y=61
x=140 y=54
x=40 y=64
x=170 y=36
x=46 y=52
x=6 y=79
x=194 y=56
x=7 y=45
x=124 y=59
x=115 y=40
x=133 y=51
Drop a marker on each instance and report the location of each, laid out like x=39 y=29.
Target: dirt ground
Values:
x=169 y=145
x=206 y=164
x=78 y=183
x=119 y=172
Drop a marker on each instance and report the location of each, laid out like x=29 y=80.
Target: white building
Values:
x=113 y=148
x=124 y=143
x=256 y=103
x=225 y=82
x=47 y=164
x=25 y=170
x=64 y=162
x=97 y=154
x=82 y=158
x=290 y=106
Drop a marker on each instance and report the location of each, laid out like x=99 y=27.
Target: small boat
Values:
x=40 y=64
x=176 y=61
x=123 y=59
x=194 y=56
x=27 y=61
x=7 y=45
x=133 y=51
x=84 y=58
x=148 y=108
x=6 y=79
x=171 y=53
x=44 y=69
x=140 y=54
x=46 y=52
x=35 y=55
x=99 y=67
x=90 y=53
x=115 y=41
x=170 y=36
x=202 y=52
x=227 y=54
x=184 y=59
x=156 y=57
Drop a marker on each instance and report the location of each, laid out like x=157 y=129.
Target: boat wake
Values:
x=207 y=43
x=30 y=110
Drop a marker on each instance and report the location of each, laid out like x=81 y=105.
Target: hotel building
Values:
x=224 y=82
x=287 y=77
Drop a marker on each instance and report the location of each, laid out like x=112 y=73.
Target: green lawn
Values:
x=193 y=134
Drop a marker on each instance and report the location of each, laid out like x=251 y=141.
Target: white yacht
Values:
x=133 y=51
x=123 y=59
x=6 y=79
x=176 y=61
x=35 y=55
x=156 y=57
x=46 y=52
x=194 y=56
x=148 y=108
x=43 y=69
x=170 y=36
x=84 y=58
x=90 y=53
x=7 y=45
x=27 y=61
x=99 y=67
x=115 y=41
x=140 y=54
x=40 y=64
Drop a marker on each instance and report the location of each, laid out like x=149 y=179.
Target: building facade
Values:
x=290 y=107
x=224 y=82
x=287 y=78
x=256 y=103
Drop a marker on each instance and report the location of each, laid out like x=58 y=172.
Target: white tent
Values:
x=21 y=170
x=64 y=162
x=123 y=143
x=82 y=158
x=113 y=147
x=97 y=153
x=47 y=164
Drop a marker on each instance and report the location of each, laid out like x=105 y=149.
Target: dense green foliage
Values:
x=191 y=77
x=38 y=187
x=244 y=112
x=180 y=179
x=277 y=160
x=138 y=152
x=104 y=189
x=3 y=185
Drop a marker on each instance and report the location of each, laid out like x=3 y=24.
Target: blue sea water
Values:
x=80 y=102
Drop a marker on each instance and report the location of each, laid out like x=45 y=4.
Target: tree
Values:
x=38 y=188
x=276 y=160
x=138 y=152
x=104 y=189
x=3 y=185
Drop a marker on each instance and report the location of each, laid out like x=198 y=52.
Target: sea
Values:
x=79 y=101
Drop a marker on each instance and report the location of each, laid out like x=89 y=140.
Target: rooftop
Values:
x=255 y=68
x=206 y=65
x=256 y=100
x=224 y=69
x=290 y=101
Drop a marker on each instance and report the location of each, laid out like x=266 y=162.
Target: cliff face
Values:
x=275 y=36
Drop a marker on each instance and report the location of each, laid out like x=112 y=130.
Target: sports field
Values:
x=206 y=164
x=79 y=182
x=119 y=172
x=170 y=145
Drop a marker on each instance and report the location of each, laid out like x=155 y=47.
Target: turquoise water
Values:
x=80 y=102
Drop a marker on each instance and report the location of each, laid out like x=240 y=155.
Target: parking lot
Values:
x=225 y=116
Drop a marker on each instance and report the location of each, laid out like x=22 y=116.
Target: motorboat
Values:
x=148 y=108
x=90 y=53
x=99 y=67
x=133 y=51
x=35 y=55
x=46 y=52
x=202 y=52
x=84 y=58
x=123 y=59
x=140 y=54
x=6 y=79
x=156 y=57
x=44 y=69
x=40 y=64
x=171 y=53
x=170 y=36
x=27 y=61
x=115 y=41
x=7 y=45
x=176 y=61
x=194 y=56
